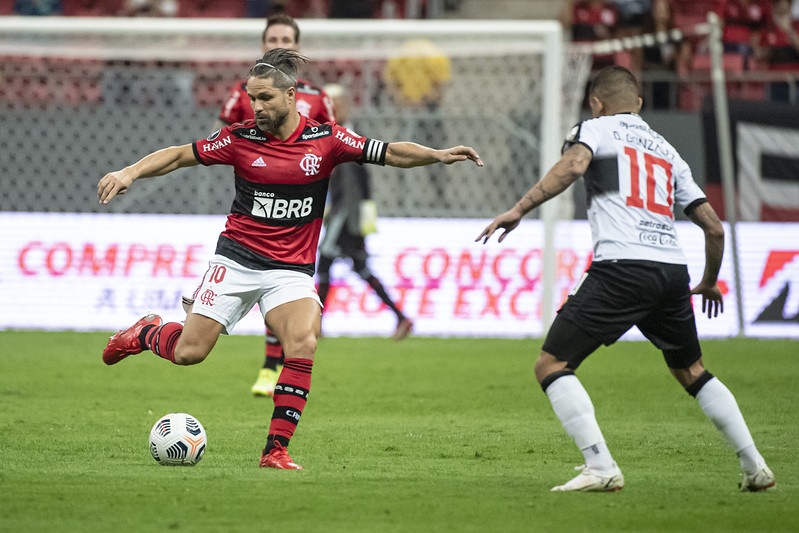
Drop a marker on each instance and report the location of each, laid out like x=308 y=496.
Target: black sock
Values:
x=270 y=442
x=143 y=334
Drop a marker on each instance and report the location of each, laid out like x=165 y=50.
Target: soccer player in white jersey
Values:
x=638 y=276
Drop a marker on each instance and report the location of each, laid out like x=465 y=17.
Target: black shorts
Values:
x=613 y=297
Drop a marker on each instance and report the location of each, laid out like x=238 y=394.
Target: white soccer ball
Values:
x=177 y=439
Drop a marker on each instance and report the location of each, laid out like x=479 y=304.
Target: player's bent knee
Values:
x=546 y=365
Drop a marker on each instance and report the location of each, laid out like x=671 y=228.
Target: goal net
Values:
x=81 y=96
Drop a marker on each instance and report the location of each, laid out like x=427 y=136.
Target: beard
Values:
x=272 y=123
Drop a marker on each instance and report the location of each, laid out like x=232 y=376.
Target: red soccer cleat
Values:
x=278 y=457
x=404 y=328
x=126 y=342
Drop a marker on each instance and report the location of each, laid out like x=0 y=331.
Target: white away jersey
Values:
x=633 y=183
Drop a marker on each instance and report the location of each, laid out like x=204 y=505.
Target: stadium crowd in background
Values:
x=386 y=9
x=757 y=34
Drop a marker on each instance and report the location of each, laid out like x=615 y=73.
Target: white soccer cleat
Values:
x=592 y=480
x=759 y=481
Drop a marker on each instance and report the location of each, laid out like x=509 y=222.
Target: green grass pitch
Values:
x=422 y=435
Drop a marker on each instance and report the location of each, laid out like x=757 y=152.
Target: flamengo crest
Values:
x=310 y=164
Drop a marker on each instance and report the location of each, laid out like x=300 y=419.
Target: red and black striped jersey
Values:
x=281 y=187
x=312 y=102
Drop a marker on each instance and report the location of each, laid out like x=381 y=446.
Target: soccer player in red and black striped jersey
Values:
x=281 y=31
x=634 y=179
x=282 y=163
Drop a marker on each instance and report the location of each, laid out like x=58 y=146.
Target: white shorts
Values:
x=229 y=290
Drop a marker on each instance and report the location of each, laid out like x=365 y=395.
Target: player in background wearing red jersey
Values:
x=281 y=31
x=282 y=162
x=638 y=277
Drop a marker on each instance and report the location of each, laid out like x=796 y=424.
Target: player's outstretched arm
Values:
x=706 y=218
x=571 y=166
x=408 y=154
x=155 y=164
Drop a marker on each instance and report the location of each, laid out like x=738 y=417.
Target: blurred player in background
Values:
x=417 y=76
x=267 y=251
x=281 y=31
x=351 y=216
x=638 y=276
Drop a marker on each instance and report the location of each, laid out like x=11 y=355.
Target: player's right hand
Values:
x=112 y=184
x=712 y=298
x=507 y=220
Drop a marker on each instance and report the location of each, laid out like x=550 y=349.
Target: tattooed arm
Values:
x=571 y=166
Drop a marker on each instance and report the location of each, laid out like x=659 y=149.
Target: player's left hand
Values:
x=112 y=184
x=507 y=220
x=712 y=299
x=460 y=153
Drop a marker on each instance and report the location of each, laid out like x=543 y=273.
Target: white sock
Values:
x=719 y=405
x=574 y=409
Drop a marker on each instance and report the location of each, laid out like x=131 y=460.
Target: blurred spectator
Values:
x=352 y=9
x=779 y=46
x=300 y=8
x=401 y=9
x=150 y=8
x=661 y=54
x=213 y=9
x=417 y=76
x=92 y=8
x=743 y=21
x=37 y=7
x=589 y=21
x=632 y=15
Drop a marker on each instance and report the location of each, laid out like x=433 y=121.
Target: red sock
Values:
x=290 y=396
x=162 y=340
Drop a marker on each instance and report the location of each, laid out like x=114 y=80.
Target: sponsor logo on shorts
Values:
x=207 y=297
